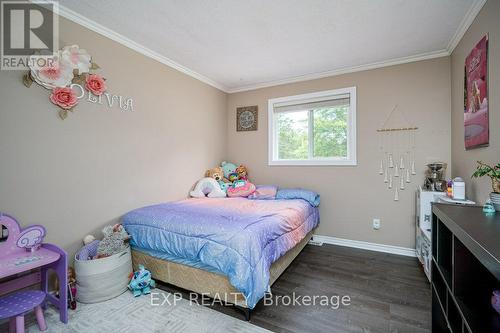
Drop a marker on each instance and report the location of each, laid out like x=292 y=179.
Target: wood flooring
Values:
x=389 y=293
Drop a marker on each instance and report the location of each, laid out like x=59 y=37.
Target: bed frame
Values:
x=207 y=283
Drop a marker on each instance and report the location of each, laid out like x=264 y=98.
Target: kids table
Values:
x=25 y=261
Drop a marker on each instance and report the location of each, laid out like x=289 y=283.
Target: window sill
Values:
x=313 y=163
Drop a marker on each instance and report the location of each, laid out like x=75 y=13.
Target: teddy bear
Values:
x=229 y=170
x=218 y=174
x=115 y=241
x=242 y=172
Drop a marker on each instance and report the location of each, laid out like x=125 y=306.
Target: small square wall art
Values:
x=246 y=118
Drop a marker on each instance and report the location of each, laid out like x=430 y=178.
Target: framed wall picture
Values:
x=476 y=120
x=246 y=118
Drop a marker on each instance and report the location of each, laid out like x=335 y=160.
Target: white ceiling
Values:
x=245 y=44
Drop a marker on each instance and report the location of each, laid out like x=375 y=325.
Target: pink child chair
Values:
x=15 y=306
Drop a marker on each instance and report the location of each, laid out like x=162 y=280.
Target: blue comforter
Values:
x=237 y=237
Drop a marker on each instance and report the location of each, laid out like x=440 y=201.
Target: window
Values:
x=313 y=129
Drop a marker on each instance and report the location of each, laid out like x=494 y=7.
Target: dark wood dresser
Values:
x=465 y=269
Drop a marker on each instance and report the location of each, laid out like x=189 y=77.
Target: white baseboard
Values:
x=403 y=251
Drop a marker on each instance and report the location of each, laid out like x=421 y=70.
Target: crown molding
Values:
x=102 y=30
x=346 y=70
x=466 y=22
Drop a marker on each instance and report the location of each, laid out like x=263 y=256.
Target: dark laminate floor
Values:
x=389 y=293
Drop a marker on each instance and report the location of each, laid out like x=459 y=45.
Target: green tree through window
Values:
x=293 y=135
x=329 y=133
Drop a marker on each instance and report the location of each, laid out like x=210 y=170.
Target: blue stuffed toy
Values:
x=141 y=282
x=223 y=186
x=229 y=170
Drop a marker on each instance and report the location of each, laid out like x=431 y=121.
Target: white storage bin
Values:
x=102 y=279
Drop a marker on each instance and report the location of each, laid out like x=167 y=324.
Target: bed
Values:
x=228 y=248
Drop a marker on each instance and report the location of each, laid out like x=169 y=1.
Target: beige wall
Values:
x=77 y=175
x=464 y=162
x=353 y=196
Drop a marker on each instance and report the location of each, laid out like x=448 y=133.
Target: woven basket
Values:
x=101 y=279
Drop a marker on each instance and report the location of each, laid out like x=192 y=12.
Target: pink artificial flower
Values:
x=77 y=57
x=65 y=97
x=51 y=72
x=95 y=84
x=56 y=73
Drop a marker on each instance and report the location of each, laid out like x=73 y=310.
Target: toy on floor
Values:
x=115 y=241
x=71 y=288
x=141 y=282
x=207 y=187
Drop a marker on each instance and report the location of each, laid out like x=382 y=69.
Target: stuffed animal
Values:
x=207 y=187
x=115 y=241
x=233 y=176
x=217 y=174
x=242 y=172
x=141 y=282
x=240 y=188
x=228 y=169
x=88 y=239
x=224 y=186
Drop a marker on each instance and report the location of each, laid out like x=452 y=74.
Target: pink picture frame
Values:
x=476 y=113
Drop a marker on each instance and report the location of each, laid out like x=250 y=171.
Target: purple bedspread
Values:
x=238 y=237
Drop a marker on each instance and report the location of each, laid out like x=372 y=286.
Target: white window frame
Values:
x=351 y=158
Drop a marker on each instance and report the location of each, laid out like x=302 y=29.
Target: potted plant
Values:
x=493 y=172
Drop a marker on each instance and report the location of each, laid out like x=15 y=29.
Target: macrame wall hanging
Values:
x=397 y=151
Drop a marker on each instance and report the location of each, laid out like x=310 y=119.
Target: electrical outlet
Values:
x=376 y=224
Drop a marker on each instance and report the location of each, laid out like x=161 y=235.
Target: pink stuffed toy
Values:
x=240 y=188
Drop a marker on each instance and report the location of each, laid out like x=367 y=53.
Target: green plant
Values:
x=493 y=172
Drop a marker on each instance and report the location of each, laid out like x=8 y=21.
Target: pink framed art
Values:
x=476 y=122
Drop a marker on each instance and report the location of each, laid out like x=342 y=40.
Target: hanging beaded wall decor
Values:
x=397 y=153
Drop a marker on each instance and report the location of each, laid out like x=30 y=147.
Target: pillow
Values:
x=240 y=188
x=298 y=193
x=207 y=187
x=264 y=192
